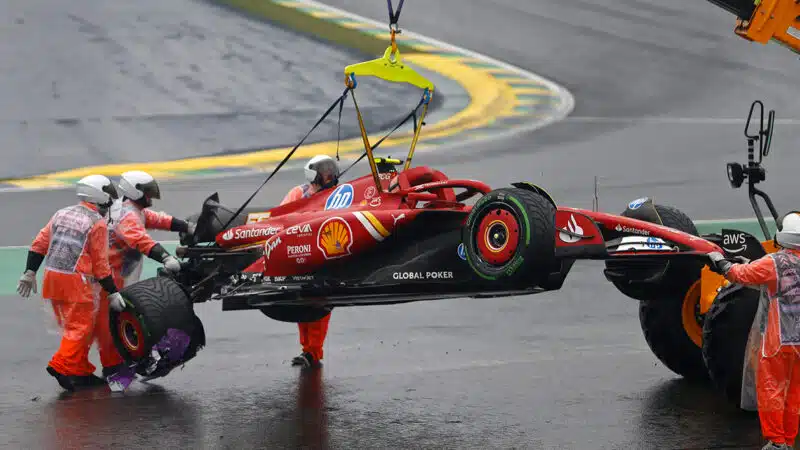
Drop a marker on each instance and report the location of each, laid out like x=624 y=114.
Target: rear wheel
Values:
x=510 y=236
x=158 y=309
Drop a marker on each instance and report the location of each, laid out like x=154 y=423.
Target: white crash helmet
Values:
x=139 y=186
x=321 y=165
x=789 y=236
x=96 y=189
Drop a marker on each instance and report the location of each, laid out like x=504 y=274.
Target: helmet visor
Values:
x=326 y=168
x=150 y=190
x=111 y=191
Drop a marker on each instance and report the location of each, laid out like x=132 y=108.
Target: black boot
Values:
x=87 y=381
x=64 y=381
x=111 y=370
x=304 y=359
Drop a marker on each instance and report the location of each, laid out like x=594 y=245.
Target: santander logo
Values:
x=573 y=227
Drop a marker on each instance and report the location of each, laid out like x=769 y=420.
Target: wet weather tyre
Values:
x=296 y=314
x=154 y=306
x=725 y=333
x=510 y=236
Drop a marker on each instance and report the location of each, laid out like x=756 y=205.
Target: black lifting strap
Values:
x=338 y=101
x=394 y=16
x=411 y=115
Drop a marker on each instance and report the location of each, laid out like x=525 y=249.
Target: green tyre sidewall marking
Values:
x=527 y=223
x=476 y=270
x=140 y=317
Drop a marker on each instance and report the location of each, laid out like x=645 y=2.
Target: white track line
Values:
x=672 y=120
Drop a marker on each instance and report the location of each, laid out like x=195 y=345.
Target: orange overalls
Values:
x=312 y=334
x=75 y=242
x=128 y=241
x=778 y=367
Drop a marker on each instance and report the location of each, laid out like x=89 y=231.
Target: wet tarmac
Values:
x=561 y=370
x=568 y=369
x=156 y=80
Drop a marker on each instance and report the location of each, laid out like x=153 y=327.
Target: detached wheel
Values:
x=296 y=314
x=155 y=306
x=725 y=335
x=510 y=236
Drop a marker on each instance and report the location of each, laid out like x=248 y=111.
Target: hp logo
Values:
x=340 y=198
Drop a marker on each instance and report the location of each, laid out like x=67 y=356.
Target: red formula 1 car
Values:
x=398 y=234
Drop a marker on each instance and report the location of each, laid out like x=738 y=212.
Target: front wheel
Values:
x=510 y=236
x=159 y=329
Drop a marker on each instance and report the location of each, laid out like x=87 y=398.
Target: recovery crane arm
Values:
x=765 y=20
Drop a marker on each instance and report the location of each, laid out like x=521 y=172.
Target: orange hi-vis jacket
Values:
x=75 y=242
x=763 y=271
x=298 y=192
x=312 y=334
x=128 y=237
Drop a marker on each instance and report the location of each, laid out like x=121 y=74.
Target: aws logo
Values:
x=734 y=242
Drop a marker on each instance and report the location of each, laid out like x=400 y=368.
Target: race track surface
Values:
x=564 y=370
x=661 y=95
x=113 y=83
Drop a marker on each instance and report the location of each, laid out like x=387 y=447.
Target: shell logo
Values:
x=335 y=238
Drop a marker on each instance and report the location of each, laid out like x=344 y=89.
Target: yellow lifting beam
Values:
x=390 y=67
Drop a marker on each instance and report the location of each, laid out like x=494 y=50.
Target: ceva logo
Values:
x=340 y=198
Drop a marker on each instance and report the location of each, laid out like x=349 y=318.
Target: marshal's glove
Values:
x=718 y=263
x=172 y=264
x=116 y=302
x=27 y=282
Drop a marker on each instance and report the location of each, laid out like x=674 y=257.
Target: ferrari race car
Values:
x=408 y=234
x=409 y=237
